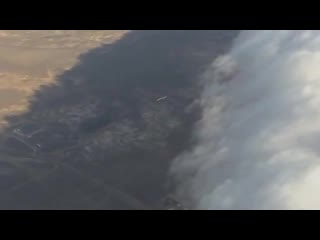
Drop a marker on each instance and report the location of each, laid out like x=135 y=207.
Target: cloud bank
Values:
x=258 y=142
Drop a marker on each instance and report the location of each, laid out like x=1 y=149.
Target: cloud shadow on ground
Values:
x=116 y=84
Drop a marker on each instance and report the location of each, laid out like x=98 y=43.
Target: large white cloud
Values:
x=259 y=138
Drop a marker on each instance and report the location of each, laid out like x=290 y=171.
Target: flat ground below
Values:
x=30 y=59
x=82 y=127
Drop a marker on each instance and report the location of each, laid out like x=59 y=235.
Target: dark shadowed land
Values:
x=100 y=138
